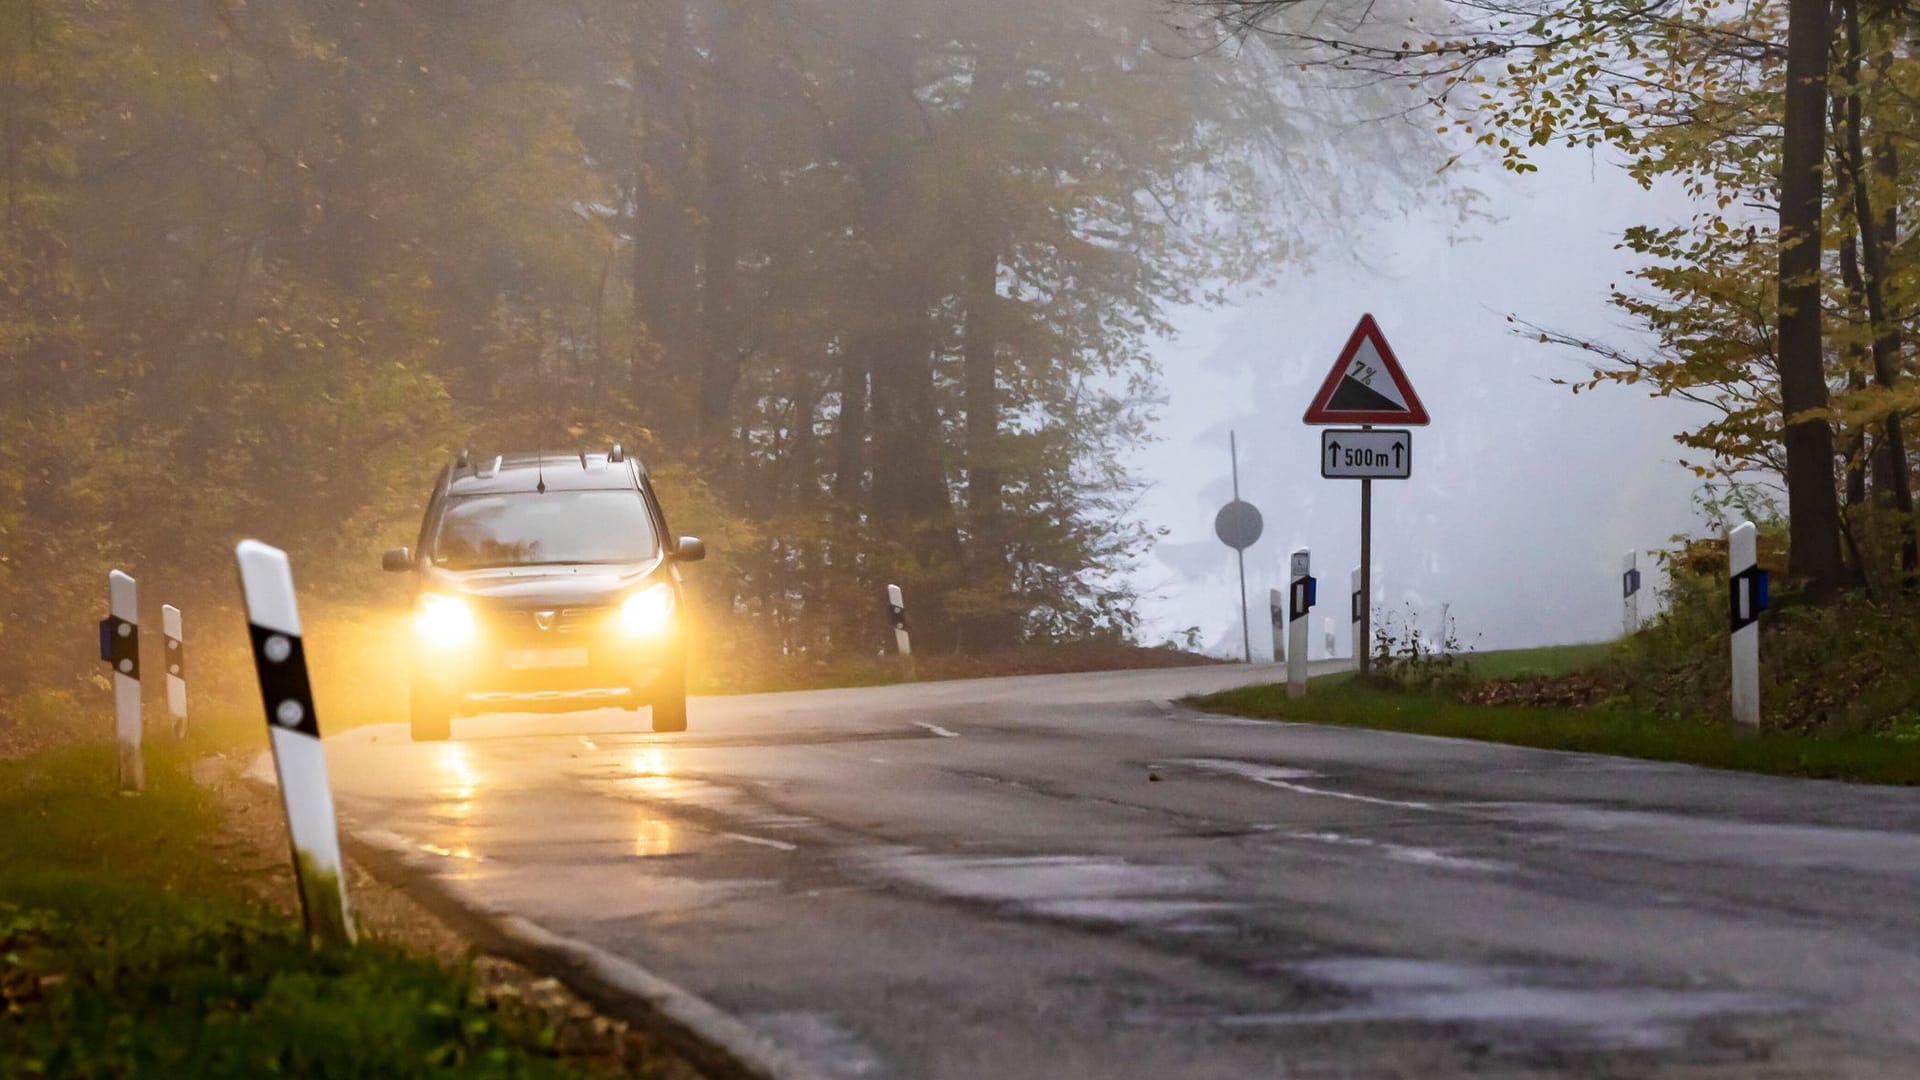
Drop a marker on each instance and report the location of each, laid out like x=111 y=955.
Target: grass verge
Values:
x=127 y=948
x=1545 y=662
x=1600 y=729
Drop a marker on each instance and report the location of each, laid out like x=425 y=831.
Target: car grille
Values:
x=570 y=620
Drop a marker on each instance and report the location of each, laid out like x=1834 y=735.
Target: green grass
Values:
x=1602 y=729
x=126 y=949
x=1548 y=660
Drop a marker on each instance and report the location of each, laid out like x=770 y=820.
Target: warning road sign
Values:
x=1366 y=385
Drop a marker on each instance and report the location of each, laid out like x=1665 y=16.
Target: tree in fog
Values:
x=1784 y=303
x=873 y=288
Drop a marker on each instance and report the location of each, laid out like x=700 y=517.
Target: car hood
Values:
x=540 y=586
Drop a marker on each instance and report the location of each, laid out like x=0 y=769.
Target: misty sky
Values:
x=1524 y=496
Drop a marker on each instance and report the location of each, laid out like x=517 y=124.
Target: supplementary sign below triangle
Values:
x=1366 y=385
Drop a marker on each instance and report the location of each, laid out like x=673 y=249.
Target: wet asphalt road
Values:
x=981 y=879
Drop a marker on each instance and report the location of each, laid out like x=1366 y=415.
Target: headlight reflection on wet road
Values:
x=651 y=771
x=652 y=836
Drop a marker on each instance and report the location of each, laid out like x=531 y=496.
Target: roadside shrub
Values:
x=1408 y=659
x=1844 y=667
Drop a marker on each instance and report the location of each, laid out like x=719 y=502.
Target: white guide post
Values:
x=1746 y=599
x=1359 y=603
x=120 y=647
x=176 y=655
x=1630 y=592
x=1299 y=602
x=897 y=614
x=1277 y=615
x=279 y=658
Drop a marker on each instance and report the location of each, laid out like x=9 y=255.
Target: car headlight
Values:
x=648 y=612
x=443 y=620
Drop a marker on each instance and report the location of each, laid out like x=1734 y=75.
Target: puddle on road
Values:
x=595 y=893
x=1083 y=887
x=1421 y=991
x=1774 y=845
x=1138 y=911
x=822 y=1040
x=1406 y=853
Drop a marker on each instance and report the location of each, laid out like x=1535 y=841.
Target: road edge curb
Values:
x=715 y=1041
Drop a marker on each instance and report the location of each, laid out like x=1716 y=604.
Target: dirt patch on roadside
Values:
x=254 y=848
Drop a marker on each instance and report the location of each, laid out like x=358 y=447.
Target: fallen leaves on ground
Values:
x=1576 y=691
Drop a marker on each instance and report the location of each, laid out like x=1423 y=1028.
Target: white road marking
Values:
x=779 y=845
x=1280 y=776
x=937 y=729
x=1305 y=790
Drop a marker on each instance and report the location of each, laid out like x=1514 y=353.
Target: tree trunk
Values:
x=720 y=334
x=1890 y=477
x=1813 y=505
x=1858 y=362
x=1889 y=342
x=850 y=428
x=664 y=296
x=988 y=558
x=980 y=345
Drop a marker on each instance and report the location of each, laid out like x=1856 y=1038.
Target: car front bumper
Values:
x=511 y=665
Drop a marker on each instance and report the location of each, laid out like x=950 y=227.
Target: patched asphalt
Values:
x=985 y=879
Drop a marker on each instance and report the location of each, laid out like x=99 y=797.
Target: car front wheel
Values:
x=670 y=709
x=429 y=717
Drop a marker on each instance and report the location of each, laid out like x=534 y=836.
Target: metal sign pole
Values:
x=1238 y=526
x=1366 y=573
x=1240 y=554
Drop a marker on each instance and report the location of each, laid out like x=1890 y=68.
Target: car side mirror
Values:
x=689 y=549
x=397 y=560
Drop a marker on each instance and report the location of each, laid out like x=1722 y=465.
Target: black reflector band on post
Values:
x=281 y=662
x=120 y=645
x=176 y=658
x=1746 y=597
x=897 y=615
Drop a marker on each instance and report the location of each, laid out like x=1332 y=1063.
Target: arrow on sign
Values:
x=1366 y=454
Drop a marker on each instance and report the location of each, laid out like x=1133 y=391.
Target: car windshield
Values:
x=526 y=529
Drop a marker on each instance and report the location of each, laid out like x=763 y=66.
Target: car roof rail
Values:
x=465 y=457
x=617 y=454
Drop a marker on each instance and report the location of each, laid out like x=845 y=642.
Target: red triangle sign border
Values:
x=1368 y=330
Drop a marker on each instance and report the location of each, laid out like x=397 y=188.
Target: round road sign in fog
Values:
x=1237 y=525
